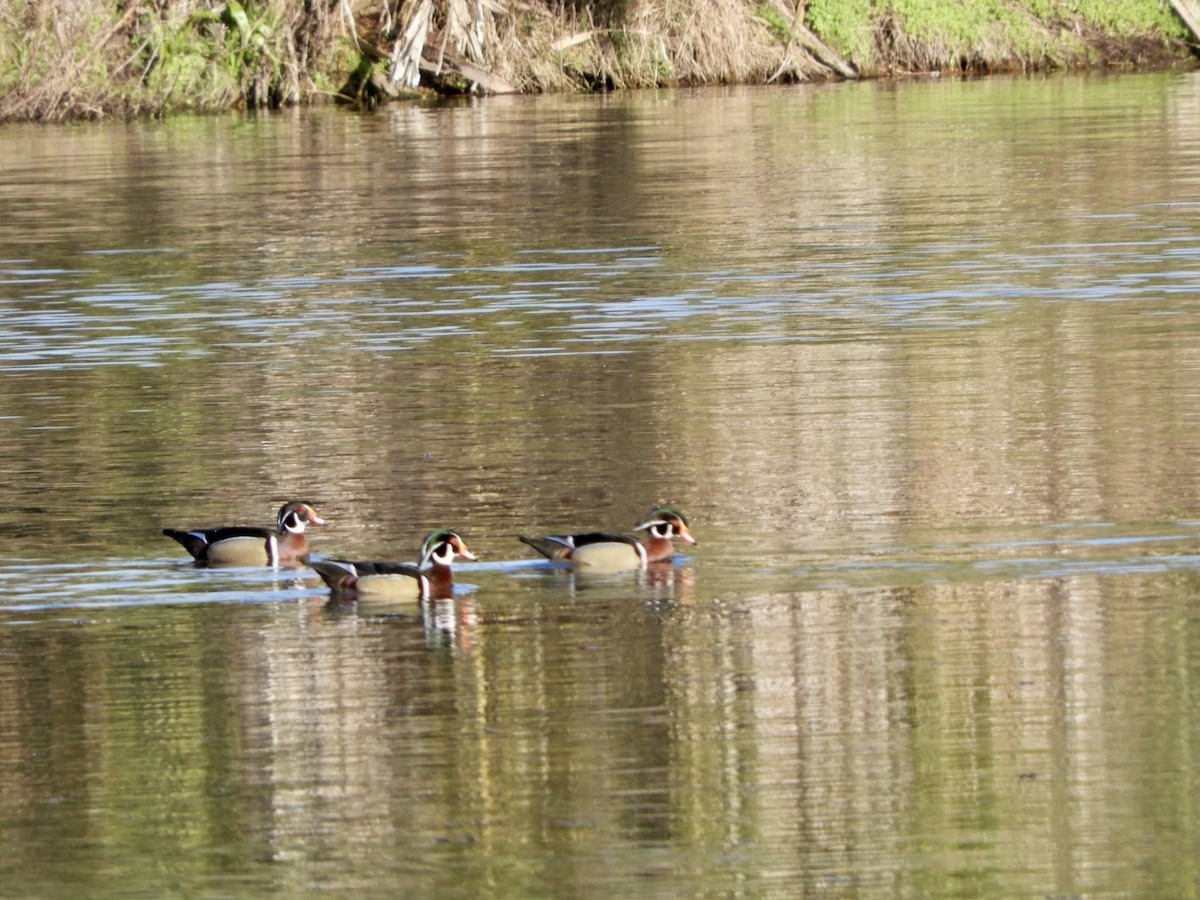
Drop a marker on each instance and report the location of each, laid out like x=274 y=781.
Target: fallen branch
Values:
x=1189 y=11
x=468 y=71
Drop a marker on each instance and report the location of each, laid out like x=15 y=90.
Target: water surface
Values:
x=918 y=360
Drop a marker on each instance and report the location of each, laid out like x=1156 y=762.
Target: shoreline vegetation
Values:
x=78 y=59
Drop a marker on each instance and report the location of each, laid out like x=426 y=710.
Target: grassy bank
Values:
x=64 y=59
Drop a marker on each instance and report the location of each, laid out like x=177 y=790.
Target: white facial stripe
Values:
x=661 y=529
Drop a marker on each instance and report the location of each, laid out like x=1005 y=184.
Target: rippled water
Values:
x=919 y=361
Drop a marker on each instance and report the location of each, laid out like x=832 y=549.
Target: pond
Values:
x=919 y=361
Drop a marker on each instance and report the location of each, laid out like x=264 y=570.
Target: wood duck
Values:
x=600 y=551
x=432 y=576
x=250 y=545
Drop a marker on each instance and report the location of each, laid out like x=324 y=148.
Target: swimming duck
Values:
x=432 y=576
x=250 y=545
x=600 y=551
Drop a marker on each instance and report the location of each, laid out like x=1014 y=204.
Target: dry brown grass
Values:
x=654 y=42
x=60 y=54
x=63 y=59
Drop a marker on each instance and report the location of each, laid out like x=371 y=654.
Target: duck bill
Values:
x=685 y=535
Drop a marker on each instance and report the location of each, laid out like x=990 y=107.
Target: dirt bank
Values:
x=62 y=59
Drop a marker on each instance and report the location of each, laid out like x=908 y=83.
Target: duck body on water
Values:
x=600 y=551
x=432 y=576
x=250 y=545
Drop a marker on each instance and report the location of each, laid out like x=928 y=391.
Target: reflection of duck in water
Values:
x=250 y=545
x=599 y=551
x=450 y=623
x=431 y=577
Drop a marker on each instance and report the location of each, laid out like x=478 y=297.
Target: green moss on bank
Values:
x=74 y=58
x=987 y=35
